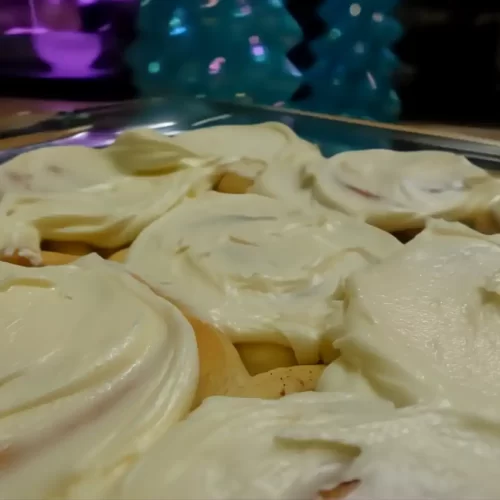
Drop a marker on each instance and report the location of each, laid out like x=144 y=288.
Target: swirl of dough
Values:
x=313 y=443
x=389 y=189
x=256 y=268
x=94 y=367
x=100 y=197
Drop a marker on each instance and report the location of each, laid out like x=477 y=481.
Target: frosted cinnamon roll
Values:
x=257 y=269
x=422 y=325
x=102 y=198
x=95 y=367
x=316 y=446
x=395 y=190
x=249 y=149
x=389 y=189
x=231 y=447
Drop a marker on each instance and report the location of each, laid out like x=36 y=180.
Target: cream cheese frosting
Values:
x=399 y=190
x=392 y=190
x=287 y=182
x=425 y=452
x=101 y=197
x=94 y=367
x=227 y=449
x=423 y=325
x=255 y=147
x=342 y=376
x=231 y=448
x=257 y=268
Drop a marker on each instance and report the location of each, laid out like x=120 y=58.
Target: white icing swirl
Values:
x=256 y=147
x=227 y=449
x=257 y=268
x=423 y=325
x=93 y=368
x=102 y=197
x=395 y=190
x=425 y=452
x=389 y=189
x=300 y=445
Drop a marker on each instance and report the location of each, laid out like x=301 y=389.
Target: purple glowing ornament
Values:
x=52 y=48
x=65 y=39
x=58 y=40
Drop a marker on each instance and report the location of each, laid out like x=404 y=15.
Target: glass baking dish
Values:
x=97 y=127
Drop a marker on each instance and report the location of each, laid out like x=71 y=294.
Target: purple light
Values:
x=20 y=30
x=53 y=29
x=257 y=49
x=69 y=54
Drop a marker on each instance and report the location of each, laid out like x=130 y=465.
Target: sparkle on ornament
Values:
x=258 y=50
x=334 y=34
x=154 y=67
x=371 y=80
x=355 y=9
x=175 y=24
x=244 y=10
x=290 y=68
x=215 y=67
x=276 y=3
x=378 y=17
x=210 y=3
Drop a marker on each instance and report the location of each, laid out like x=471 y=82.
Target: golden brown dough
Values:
x=68 y=247
x=341 y=491
x=221 y=369
x=261 y=357
x=57 y=259
x=120 y=256
x=280 y=382
x=486 y=224
x=222 y=373
x=233 y=183
x=48 y=259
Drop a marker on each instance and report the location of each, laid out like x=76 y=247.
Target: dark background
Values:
x=450 y=57
x=451 y=60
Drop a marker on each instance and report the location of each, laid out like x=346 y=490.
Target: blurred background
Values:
x=447 y=52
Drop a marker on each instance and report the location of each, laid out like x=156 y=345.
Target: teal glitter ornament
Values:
x=221 y=49
x=354 y=68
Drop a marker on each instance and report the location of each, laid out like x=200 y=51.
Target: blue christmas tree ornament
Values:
x=221 y=49
x=354 y=69
x=239 y=50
